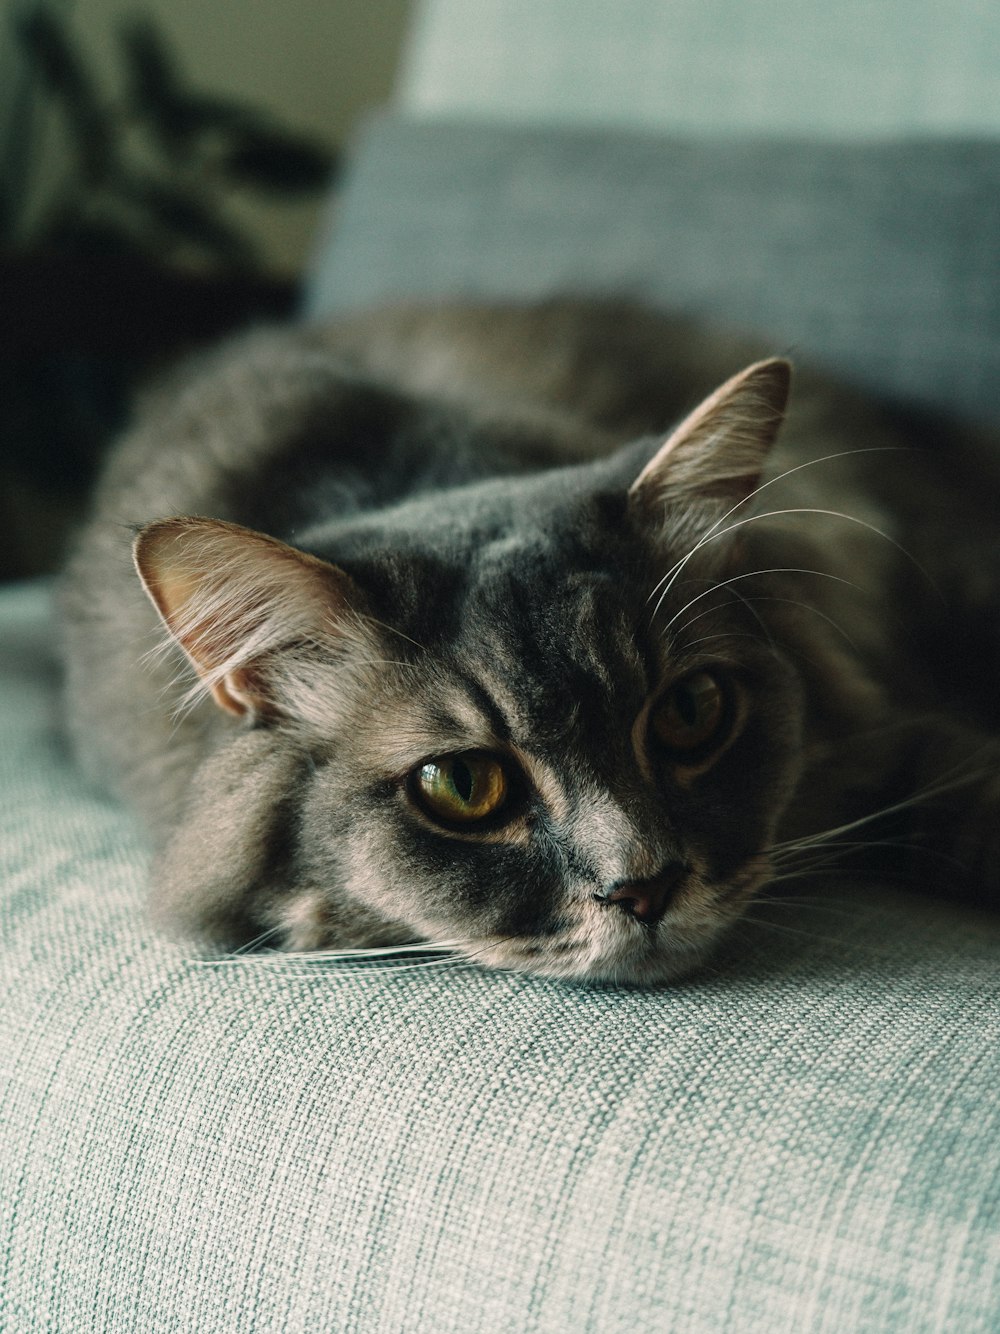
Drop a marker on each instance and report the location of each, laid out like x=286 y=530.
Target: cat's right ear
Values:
x=713 y=460
x=249 y=611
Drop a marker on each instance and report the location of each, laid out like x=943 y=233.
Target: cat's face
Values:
x=531 y=719
x=555 y=783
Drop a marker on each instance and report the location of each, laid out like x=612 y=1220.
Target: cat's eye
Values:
x=462 y=789
x=693 y=714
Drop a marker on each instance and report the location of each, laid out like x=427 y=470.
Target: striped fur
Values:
x=417 y=533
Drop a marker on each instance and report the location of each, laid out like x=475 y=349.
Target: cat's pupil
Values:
x=691 y=714
x=461 y=788
x=462 y=780
x=686 y=703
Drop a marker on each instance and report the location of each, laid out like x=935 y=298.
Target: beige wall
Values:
x=317 y=64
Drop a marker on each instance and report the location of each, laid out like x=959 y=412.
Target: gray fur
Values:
x=498 y=519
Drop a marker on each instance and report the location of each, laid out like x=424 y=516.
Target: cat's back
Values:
x=282 y=428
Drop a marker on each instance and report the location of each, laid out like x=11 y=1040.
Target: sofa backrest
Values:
x=840 y=68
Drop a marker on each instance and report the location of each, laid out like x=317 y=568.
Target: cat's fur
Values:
x=505 y=557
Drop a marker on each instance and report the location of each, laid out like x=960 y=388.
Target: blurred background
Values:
x=162 y=169
x=164 y=166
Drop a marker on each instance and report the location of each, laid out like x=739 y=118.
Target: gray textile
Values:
x=879 y=260
x=804 y=1139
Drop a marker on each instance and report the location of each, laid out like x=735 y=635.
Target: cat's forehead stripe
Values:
x=468 y=709
x=498 y=701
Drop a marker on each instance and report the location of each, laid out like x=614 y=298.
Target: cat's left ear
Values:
x=713 y=459
x=252 y=614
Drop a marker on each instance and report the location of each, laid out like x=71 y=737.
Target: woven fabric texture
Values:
x=879 y=261
x=805 y=1138
x=845 y=67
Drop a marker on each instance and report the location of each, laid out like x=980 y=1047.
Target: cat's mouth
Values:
x=602 y=946
x=644 y=962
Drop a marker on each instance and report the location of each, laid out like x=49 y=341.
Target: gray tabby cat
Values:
x=472 y=647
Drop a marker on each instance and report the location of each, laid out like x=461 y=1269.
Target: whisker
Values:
x=442 y=956
x=907 y=803
x=737 y=578
x=836 y=514
x=746 y=602
x=830 y=841
x=350 y=961
x=257 y=941
x=384 y=625
x=759 y=619
x=336 y=972
x=374 y=951
x=705 y=639
x=713 y=532
x=792 y=602
x=808 y=844
x=840 y=873
x=799 y=903
x=355 y=954
x=783 y=929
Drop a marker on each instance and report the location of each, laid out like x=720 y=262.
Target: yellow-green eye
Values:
x=691 y=714
x=462 y=789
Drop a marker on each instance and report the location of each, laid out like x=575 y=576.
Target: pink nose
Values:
x=646 y=900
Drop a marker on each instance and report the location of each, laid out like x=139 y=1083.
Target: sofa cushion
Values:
x=801 y=1138
x=804 y=1137
x=878 y=260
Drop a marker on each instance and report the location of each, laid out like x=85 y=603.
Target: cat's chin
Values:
x=654 y=959
x=617 y=950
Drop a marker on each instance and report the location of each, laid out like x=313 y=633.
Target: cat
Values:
x=550 y=633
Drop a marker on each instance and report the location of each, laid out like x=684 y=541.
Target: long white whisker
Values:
x=359 y=968
x=793 y=849
x=676 y=569
x=737 y=578
x=830 y=514
x=375 y=951
x=447 y=955
x=354 y=954
x=925 y=794
x=257 y=942
x=731 y=634
x=793 y=602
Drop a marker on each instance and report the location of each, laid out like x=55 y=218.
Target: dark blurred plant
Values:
x=153 y=173
x=131 y=253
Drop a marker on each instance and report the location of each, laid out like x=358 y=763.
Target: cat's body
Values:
x=566 y=700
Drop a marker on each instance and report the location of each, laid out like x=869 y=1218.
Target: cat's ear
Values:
x=243 y=606
x=714 y=457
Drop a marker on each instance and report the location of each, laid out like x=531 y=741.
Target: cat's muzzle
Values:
x=646 y=900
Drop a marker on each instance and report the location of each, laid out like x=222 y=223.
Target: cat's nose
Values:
x=645 y=900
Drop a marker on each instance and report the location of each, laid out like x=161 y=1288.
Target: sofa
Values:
x=804 y=1136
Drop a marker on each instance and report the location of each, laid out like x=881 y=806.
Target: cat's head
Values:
x=537 y=716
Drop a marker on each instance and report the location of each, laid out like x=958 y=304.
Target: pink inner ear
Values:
x=229 y=595
x=234 y=694
x=719 y=449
